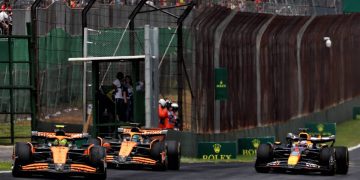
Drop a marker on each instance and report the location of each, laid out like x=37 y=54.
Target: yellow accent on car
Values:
x=293 y=160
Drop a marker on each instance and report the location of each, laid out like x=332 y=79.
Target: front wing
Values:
x=302 y=165
x=135 y=160
x=59 y=168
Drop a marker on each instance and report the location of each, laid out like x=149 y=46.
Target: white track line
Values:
x=354 y=147
x=3 y=172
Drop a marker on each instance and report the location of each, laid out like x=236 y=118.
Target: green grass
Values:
x=5 y=166
x=21 y=129
x=348 y=133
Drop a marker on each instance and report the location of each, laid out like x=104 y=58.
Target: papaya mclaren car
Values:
x=142 y=147
x=303 y=153
x=59 y=153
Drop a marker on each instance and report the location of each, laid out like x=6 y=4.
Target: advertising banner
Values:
x=221 y=82
x=217 y=150
x=323 y=129
x=248 y=146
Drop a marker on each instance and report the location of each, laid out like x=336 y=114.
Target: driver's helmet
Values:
x=303 y=143
x=136 y=138
x=63 y=142
x=55 y=143
x=304 y=136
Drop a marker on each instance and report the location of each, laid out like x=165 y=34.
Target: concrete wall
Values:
x=336 y=114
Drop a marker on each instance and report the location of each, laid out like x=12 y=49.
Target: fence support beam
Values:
x=298 y=58
x=84 y=24
x=35 y=67
x=180 y=56
x=258 y=70
x=218 y=36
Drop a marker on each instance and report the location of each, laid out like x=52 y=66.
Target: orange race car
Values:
x=61 y=153
x=143 y=147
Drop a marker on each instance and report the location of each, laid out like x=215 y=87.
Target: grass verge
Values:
x=5 y=166
x=348 y=133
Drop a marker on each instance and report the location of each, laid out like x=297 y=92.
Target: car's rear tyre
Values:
x=264 y=156
x=342 y=160
x=22 y=157
x=97 y=159
x=174 y=154
x=157 y=148
x=97 y=155
x=326 y=159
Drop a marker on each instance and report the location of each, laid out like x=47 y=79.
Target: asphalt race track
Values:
x=219 y=171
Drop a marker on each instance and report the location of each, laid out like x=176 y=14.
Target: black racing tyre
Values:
x=23 y=157
x=342 y=160
x=325 y=159
x=97 y=155
x=156 y=149
x=174 y=154
x=264 y=154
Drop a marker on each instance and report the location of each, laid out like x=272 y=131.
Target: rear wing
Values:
x=316 y=140
x=53 y=135
x=323 y=139
x=142 y=131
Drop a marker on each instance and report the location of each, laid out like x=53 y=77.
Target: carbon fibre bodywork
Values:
x=308 y=159
x=148 y=150
x=301 y=153
x=44 y=156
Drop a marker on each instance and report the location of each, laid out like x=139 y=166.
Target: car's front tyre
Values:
x=264 y=156
x=22 y=157
x=326 y=159
x=342 y=160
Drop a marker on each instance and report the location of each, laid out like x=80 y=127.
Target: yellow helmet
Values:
x=56 y=142
x=304 y=136
x=63 y=142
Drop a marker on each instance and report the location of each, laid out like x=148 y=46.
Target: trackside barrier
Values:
x=217 y=150
x=248 y=146
x=335 y=114
x=323 y=129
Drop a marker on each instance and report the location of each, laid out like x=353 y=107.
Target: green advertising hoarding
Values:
x=356 y=113
x=324 y=129
x=221 y=84
x=351 y=6
x=248 y=146
x=4 y=50
x=217 y=150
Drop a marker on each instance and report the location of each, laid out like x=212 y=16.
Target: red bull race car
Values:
x=59 y=153
x=142 y=147
x=303 y=153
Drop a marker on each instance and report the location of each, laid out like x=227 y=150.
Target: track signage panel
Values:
x=217 y=150
x=324 y=129
x=248 y=146
x=221 y=84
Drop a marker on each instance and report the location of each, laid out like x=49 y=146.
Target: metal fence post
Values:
x=35 y=64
